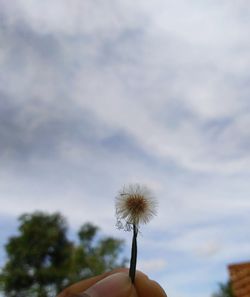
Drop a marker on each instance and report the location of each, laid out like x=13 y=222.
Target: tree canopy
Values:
x=225 y=290
x=41 y=259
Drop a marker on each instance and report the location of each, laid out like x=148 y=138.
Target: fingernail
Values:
x=115 y=285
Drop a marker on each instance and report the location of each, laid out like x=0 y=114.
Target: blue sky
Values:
x=98 y=94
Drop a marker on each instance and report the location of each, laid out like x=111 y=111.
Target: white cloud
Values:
x=152 y=265
x=79 y=17
x=147 y=72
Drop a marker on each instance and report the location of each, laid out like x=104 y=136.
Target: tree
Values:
x=41 y=260
x=225 y=290
x=98 y=255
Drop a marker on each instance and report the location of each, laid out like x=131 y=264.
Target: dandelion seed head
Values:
x=134 y=205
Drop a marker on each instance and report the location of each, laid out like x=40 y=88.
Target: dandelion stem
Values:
x=133 y=259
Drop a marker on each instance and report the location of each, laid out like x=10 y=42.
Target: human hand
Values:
x=115 y=284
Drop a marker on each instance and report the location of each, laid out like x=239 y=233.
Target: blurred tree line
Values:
x=224 y=290
x=41 y=260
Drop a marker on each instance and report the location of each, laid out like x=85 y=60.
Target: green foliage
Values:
x=42 y=260
x=98 y=255
x=225 y=290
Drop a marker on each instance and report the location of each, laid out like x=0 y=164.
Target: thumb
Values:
x=115 y=285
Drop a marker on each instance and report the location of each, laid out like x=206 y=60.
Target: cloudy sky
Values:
x=98 y=94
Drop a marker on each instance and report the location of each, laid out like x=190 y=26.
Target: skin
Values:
x=143 y=286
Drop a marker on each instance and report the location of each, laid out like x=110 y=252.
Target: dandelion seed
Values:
x=135 y=205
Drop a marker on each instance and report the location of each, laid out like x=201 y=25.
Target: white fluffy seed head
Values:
x=134 y=204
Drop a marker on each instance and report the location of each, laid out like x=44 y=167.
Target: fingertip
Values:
x=115 y=285
x=146 y=287
x=83 y=285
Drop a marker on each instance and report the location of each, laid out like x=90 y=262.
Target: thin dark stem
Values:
x=133 y=259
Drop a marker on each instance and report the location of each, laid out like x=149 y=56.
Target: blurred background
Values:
x=98 y=94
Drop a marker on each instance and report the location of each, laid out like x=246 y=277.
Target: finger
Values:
x=115 y=285
x=146 y=287
x=87 y=283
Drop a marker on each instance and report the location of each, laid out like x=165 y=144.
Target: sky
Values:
x=98 y=94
